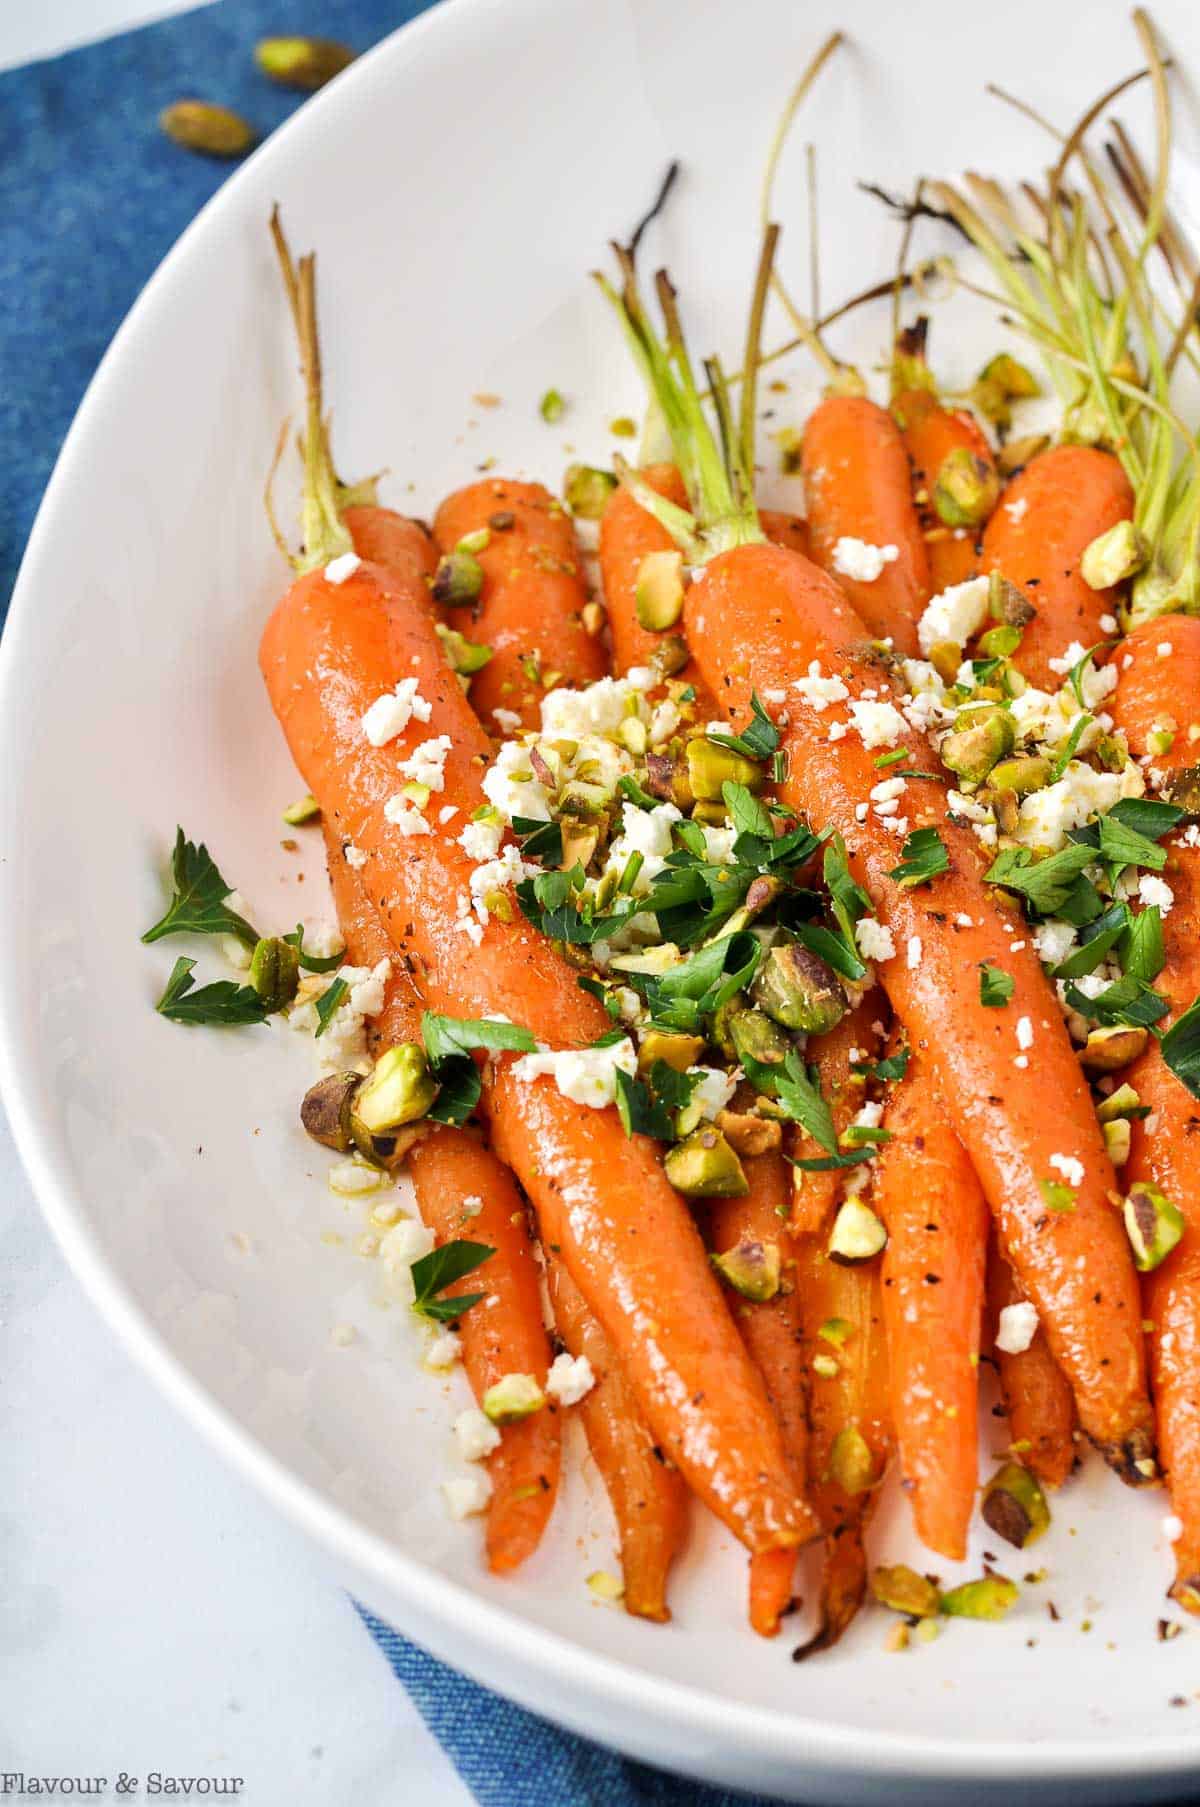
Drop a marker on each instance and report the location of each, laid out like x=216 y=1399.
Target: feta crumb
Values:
x=585 y=1075
x=817 y=691
x=356 y=859
x=861 y=811
x=874 y=939
x=401 y=814
x=1017 y=510
x=477 y=1436
x=963 y=921
x=570 y=1378
x=481 y=840
x=838 y=730
x=648 y=832
x=1054 y=940
x=888 y=789
x=507 y=720
x=879 y=724
x=599 y=709
x=1155 y=890
x=1069 y=1166
x=955 y=615
x=510 y=786
x=1024 y=1033
x=861 y=562
x=465 y=922
x=404 y=1243
x=914 y=952
x=1164 y=649
x=447 y=813
x=367 y=987
x=339 y=569
x=426 y=764
x=1108 y=624
x=714 y=1088
x=390 y=714
x=1172 y=1528
x=1017 y=1328
x=444 y=1351
x=1022 y=1061
x=467 y=1495
x=472 y=1205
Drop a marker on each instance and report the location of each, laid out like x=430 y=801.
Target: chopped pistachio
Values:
x=711 y=767
x=703 y=1165
x=1029 y=772
x=325 y=1110
x=606 y=1587
x=399 y=1089
x=1015 y=453
x=749 y=1133
x=1121 y=1103
x=946 y=657
x=657 y=959
x=679 y=1051
x=755 y=1037
x=551 y=406
x=825 y=1366
x=1118 y=1140
x=989 y=1598
x=1000 y=642
x=751 y=1267
x=306 y=63
x=1153 y=1225
x=1014 y=1505
x=201 y=125
x=1017 y=382
x=658 y=591
x=902 y=1590
x=973 y=749
x=715 y=814
x=623 y=427
x=476 y=542
x=1113 y=556
x=797 y=990
x=458 y=579
x=1113 y=1046
x=850 y=1460
x=306 y=810
x=837 y=1331
x=465 y=656
x=593 y=616
x=587 y=490
x=513 y=1397
x=857 y=1234
x=633 y=735
x=579 y=842
x=1183 y=789
x=1008 y=604
x=966 y=488
x=275 y=972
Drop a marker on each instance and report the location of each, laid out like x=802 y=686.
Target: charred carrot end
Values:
x=771 y=1579
x=843 y=1588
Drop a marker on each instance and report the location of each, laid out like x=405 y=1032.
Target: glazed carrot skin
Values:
x=931 y=433
x=630 y=1244
x=856 y=1037
x=772 y=1332
x=649 y=1499
x=760 y=615
x=530 y=608
x=383 y=537
x=790 y=530
x=505 y=1335
x=857 y=486
x=1158 y=691
x=933 y=1268
x=628 y=534
x=1046 y=519
x=1037 y=1395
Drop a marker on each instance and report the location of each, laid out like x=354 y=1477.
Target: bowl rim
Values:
x=497 y=1639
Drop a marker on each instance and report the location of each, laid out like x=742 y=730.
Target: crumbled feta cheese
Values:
x=481 y=840
x=447 y=813
x=465 y=922
x=648 y=832
x=321 y=939
x=1024 y=1033
x=1053 y=940
x=508 y=868
x=507 y=720
x=1048 y=816
x=888 y=789
x=1017 y=1328
x=477 y=1436
x=1022 y=1061
x=598 y=709
x=861 y=811
x=819 y=692
x=510 y=786
x=356 y=859
x=585 y=1075
x=472 y=1205
x=401 y=814
x=1069 y=1166
x=426 y=764
x=339 y=569
x=718 y=843
x=870 y=1116
x=1164 y=649
x=663 y=722
x=406 y=1242
x=467 y=1495
x=350 y=1179
x=879 y=724
x=570 y=1378
x=444 y=1351
x=955 y=615
x=714 y=1088
x=1172 y=1528
x=1108 y=624
x=390 y=714
x=963 y=921
x=1016 y=510
x=914 y=951
x=874 y=939
x=1155 y=890
x=838 y=730
x=860 y=561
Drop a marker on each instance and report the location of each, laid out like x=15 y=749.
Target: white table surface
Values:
x=153 y=1613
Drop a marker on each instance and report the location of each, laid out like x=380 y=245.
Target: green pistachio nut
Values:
x=1121 y=1103
x=973 y=750
x=857 y=1234
x=756 y=1037
x=586 y=490
x=1111 y=1047
x=1183 y=789
x=902 y=1590
x=1030 y=772
x=946 y=656
x=711 y=767
x=1114 y=556
x=676 y=1050
x=466 y=656
x=966 y=488
x=1015 y=454
x=579 y=842
x=306 y=810
x=989 y=1598
x=1000 y=642
x=399 y=1090
x=1014 y=1505
x=850 y=1461
x=1007 y=604
x=513 y=1397
x=658 y=591
x=275 y=972
x=458 y=580
x=1012 y=378
x=1118 y=1140
x=306 y=63
x=703 y=1165
x=751 y=1268
x=797 y=990
x=1153 y=1225
x=325 y=1110
x=201 y=125
x=653 y=960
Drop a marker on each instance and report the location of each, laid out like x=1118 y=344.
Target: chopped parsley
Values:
x=197 y=905
x=225 y=1004
x=923 y=857
x=759 y=739
x=1180 y=1047
x=995 y=986
x=449 y=1044
x=440 y=1269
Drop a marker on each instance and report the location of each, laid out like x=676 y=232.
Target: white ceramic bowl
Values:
x=460 y=182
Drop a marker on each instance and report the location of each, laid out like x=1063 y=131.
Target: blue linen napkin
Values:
x=92 y=196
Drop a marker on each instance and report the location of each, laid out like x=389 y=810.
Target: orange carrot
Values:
x=771 y=1330
x=932 y=434
x=759 y=616
x=857 y=486
x=384 y=537
x=328 y=652
x=530 y=610
x=858 y=1037
x=929 y=1199
x=1048 y=516
x=1157 y=696
x=649 y=1499
x=1037 y=1396
x=790 y=530
x=628 y=534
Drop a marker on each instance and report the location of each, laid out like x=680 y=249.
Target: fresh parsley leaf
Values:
x=691 y=837
x=848 y=900
x=197 y=904
x=1180 y=1047
x=995 y=986
x=833 y=949
x=1069 y=747
x=1146 y=816
x=328 y=1002
x=640 y=1112
x=1143 y=954
x=829 y=1163
x=683 y=996
x=1127 y=1000
x=445 y=1037
x=224 y=1004
x=1057 y=1195
x=1123 y=846
x=798 y=1093
x=610 y=1038
x=539 y=840
x=440 y=1269
x=310 y=962
x=670 y=1087
x=758 y=740
x=923 y=857
x=629 y=787
x=1046 y=884
x=1098 y=938
x=893 y=1066
x=459 y=1091
x=747 y=814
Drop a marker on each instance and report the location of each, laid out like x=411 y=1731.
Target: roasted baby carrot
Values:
x=1046 y=519
x=1037 y=1395
x=530 y=609
x=649 y=1499
x=857 y=486
x=929 y=1199
x=328 y=653
x=628 y=535
x=857 y=1038
x=771 y=1330
x=954 y=478
x=759 y=616
x=1157 y=703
